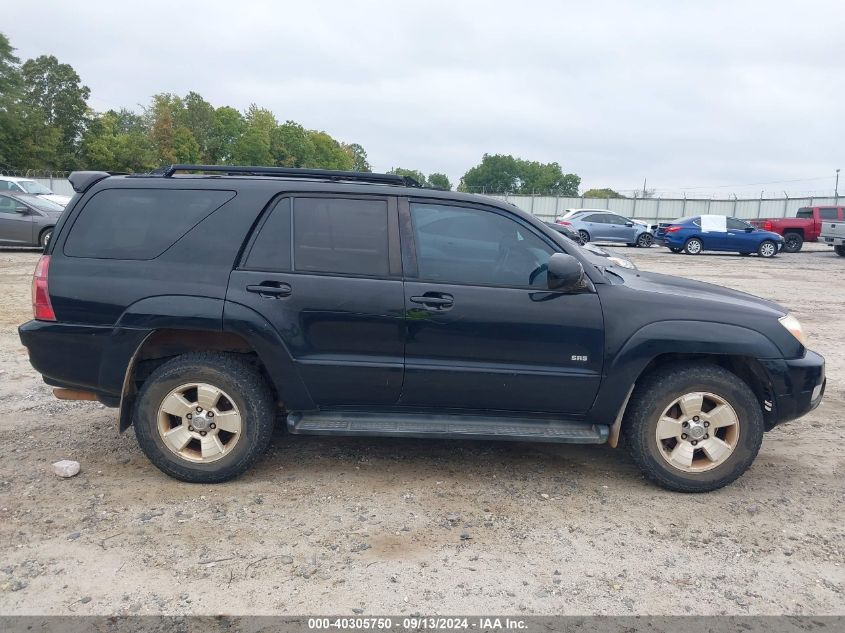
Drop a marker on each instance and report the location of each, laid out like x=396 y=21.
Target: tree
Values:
x=253 y=146
x=410 y=173
x=10 y=85
x=499 y=173
x=328 y=153
x=198 y=116
x=291 y=145
x=226 y=129
x=602 y=193
x=439 y=181
x=55 y=92
x=359 y=157
x=118 y=141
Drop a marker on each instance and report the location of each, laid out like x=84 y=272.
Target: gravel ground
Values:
x=343 y=526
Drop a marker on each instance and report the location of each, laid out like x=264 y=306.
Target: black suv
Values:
x=206 y=301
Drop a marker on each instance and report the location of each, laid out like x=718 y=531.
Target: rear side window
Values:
x=271 y=250
x=139 y=223
x=804 y=213
x=338 y=235
x=829 y=213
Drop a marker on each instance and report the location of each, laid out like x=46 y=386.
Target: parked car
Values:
x=26 y=219
x=27 y=185
x=701 y=233
x=804 y=227
x=571 y=213
x=614 y=258
x=605 y=226
x=833 y=234
x=205 y=306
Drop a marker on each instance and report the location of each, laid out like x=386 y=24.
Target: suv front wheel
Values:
x=204 y=417
x=693 y=427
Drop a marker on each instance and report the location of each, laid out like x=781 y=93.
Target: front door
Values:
x=620 y=229
x=483 y=331
x=325 y=272
x=15 y=227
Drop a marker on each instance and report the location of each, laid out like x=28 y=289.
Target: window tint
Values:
x=829 y=213
x=804 y=213
x=598 y=218
x=470 y=246
x=612 y=218
x=8 y=205
x=139 y=223
x=337 y=235
x=271 y=249
x=5 y=185
x=737 y=225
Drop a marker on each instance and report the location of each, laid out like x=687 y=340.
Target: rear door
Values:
x=484 y=333
x=325 y=271
x=596 y=225
x=15 y=228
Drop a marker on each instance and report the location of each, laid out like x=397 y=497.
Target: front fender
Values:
x=626 y=365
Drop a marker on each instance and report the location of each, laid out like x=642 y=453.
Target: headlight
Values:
x=794 y=326
x=622 y=263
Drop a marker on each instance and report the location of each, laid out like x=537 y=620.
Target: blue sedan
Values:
x=717 y=233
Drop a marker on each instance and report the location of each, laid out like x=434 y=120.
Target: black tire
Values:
x=693 y=246
x=45 y=236
x=585 y=237
x=655 y=393
x=839 y=250
x=675 y=250
x=235 y=377
x=645 y=240
x=767 y=249
x=792 y=242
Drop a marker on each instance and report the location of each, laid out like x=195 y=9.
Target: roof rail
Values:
x=291 y=172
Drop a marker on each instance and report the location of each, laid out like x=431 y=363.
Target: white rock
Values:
x=66 y=468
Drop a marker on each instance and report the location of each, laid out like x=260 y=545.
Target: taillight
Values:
x=767 y=225
x=563 y=223
x=42 y=309
x=672 y=229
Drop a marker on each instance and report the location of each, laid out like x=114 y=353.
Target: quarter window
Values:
x=338 y=235
x=462 y=245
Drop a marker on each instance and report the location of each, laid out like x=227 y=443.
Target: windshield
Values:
x=30 y=186
x=40 y=203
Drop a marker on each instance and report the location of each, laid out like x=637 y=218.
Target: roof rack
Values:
x=291 y=172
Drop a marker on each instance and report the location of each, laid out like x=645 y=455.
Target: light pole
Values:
x=836 y=188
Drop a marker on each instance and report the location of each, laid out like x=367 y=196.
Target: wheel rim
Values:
x=767 y=249
x=791 y=242
x=199 y=422
x=45 y=239
x=697 y=432
x=645 y=240
x=694 y=247
x=585 y=237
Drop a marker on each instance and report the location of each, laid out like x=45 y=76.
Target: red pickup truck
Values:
x=804 y=227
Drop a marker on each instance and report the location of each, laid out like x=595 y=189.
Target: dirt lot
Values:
x=326 y=526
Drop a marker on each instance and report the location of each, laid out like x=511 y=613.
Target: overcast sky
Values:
x=716 y=97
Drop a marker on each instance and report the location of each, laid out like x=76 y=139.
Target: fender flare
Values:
x=675 y=337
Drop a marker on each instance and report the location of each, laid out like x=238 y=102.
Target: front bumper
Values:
x=797 y=386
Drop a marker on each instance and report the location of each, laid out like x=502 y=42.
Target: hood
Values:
x=692 y=293
x=54 y=197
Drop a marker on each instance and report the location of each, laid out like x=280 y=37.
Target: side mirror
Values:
x=565 y=273
x=629 y=224
x=23 y=210
x=749 y=229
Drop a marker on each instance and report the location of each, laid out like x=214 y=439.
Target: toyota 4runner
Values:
x=207 y=302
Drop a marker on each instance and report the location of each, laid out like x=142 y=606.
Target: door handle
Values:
x=438 y=301
x=271 y=289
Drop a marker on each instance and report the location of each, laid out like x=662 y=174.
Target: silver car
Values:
x=27 y=219
x=606 y=226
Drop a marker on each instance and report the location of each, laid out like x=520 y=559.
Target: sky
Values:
x=715 y=98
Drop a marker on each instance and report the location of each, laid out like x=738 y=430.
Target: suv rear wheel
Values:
x=204 y=417
x=693 y=427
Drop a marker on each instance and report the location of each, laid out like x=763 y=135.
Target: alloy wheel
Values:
x=697 y=432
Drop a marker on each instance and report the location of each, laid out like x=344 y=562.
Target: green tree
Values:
x=291 y=145
x=410 y=173
x=118 y=141
x=198 y=116
x=253 y=145
x=439 y=181
x=328 y=153
x=500 y=173
x=602 y=193
x=10 y=85
x=55 y=92
x=226 y=129
x=359 y=157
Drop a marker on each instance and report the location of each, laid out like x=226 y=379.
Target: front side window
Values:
x=737 y=225
x=339 y=235
x=8 y=205
x=139 y=223
x=30 y=186
x=829 y=213
x=463 y=245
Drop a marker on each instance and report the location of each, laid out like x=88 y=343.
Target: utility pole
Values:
x=645 y=180
x=836 y=188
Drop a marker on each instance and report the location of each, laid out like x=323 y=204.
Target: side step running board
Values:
x=445 y=426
